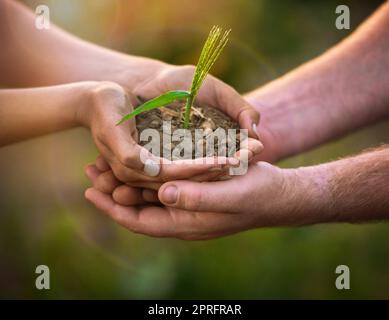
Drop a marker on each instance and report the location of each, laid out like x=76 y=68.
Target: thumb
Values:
x=248 y=118
x=201 y=196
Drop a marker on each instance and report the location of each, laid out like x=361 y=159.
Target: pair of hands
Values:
x=192 y=210
x=118 y=144
x=201 y=210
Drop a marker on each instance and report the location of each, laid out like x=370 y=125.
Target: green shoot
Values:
x=214 y=45
x=157 y=102
x=212 y=48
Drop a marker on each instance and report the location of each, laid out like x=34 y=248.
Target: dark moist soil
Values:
x=207 y=118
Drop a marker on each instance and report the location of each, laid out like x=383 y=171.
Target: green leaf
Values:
x=157 y=102
x=213 y=46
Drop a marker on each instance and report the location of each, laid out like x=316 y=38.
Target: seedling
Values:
x=213 y=46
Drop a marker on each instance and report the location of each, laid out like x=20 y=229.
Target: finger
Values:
x=92 y=172
x=205 y=167
x=121 y=146
x=222 y=96
x=128 y=175
x=154 y=186
x=126 y=150
x=173 y=170
x=145 y=185
x=185 y=169
x=150 y=195
x=219 y=196
x=254 y=148
x=102 y=164
x=159 y=169
x=126 y=216
x=131 y=196
x=210 y=176
x=106 y=182
x=128 y=196
x=167 y=222
x=125 y=173
x=154 y=221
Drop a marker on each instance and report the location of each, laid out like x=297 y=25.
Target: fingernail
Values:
x=245 y=155
x=88 y=173
x=233 y=161
x=215 y=169
x=170 y=194
x=151 y=168
x=88 y=194
x=254 y=126
x=259 y=149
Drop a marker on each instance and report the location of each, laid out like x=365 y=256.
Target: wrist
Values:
x=272 y=124
x=309 y=194
x=291 y=115
x=287 y=197
x=72 y=102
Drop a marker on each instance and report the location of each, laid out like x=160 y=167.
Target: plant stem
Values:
x=188 y=107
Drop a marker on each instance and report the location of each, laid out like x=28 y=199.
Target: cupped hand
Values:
x=118 y=144
x=213 y=92
x=265 y=196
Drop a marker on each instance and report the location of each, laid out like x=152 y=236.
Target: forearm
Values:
x=354 y=189
x=342 y=90
x=32 y=57
x=27 y=113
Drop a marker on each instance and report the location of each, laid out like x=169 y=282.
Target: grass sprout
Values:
x=213 y=46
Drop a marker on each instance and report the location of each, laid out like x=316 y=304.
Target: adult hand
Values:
x=159 y=78
x=266 y=196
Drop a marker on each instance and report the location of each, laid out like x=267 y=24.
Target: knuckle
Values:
x=187 y=72
x=120 y=173
x=129 y=159
x=109 y=87
x=183 y=75
x=245 y=110
x=108 y=177
x=102 y=134
x=175 y=77
x=102 y=186
x=189 y=68
x=107 y=90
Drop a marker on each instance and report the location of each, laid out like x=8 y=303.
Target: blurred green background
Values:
x=45 y=220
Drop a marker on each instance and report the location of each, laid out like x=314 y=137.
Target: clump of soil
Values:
x=206 y=118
